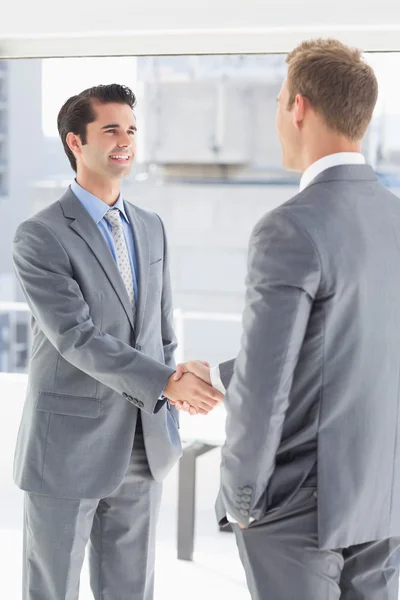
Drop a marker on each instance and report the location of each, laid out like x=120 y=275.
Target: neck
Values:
x=312 y=153
x=107 y=190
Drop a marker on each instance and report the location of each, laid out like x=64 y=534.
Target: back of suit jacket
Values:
x=92 y=367
x=316 y=384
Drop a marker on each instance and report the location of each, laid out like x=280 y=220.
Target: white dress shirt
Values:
x=326 y=162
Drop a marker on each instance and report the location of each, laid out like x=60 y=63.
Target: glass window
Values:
x=208 y=161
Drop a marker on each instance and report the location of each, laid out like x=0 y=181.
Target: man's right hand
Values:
x=201 y=396
x=197 y=367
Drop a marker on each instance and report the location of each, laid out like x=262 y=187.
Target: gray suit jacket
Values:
x=92 y=368
x=314 y=395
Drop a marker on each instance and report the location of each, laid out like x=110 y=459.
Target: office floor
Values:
x=215 y=572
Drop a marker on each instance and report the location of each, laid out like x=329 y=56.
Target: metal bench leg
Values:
x=187 y=498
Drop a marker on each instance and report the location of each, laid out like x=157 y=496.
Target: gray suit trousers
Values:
x=282 y=560
x=121 y=530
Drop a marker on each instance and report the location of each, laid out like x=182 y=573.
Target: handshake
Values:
x=189 y=389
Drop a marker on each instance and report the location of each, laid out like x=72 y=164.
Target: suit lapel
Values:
x=142 y=250
x=86 y=228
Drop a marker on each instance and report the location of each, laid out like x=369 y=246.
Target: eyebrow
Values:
x=116 y=126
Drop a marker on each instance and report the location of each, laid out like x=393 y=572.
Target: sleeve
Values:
x=282 y=281
x=226 y=372
x=215 y=378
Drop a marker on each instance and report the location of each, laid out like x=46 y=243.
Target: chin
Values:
x=284 y=158
x=126 y=172
x=289 y=165
x=285 y=163
x=121 y=172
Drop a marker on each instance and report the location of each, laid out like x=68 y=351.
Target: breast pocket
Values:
x=155 y=262
x=155 y=269
x=155 y=279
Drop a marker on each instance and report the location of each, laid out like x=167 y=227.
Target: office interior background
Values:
x=208 y=162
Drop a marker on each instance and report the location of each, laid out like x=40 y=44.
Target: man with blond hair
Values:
x=311 y=465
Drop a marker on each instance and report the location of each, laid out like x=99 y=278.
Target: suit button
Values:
x=244 y=512
x=125 y=395
x=140 y=404
x=138 y=347
x=130 y=399
x=247 y=490
x=245 y=505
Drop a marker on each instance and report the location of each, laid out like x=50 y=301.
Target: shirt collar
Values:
x=326 y=162
x=94 y=206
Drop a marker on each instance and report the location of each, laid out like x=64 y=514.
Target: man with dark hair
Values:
x=311 y=465
x=98 y=431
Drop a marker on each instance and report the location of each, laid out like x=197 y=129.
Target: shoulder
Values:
x=281 y=241
x=286 y=220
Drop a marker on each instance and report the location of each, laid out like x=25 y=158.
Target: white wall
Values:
x=12 y=393
x=94 y=27
x=45 y=16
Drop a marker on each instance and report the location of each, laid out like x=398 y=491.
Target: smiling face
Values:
x=109 y=146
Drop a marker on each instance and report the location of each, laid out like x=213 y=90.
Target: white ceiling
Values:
x=158 y=26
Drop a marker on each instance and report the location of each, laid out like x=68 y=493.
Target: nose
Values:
x=124 y=141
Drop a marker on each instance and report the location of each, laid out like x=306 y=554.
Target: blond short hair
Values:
x=340 y=86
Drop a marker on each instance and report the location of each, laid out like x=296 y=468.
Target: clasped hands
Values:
x=189 y=389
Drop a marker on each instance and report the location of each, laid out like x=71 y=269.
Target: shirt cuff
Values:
x=216 y=381
x=233 y=520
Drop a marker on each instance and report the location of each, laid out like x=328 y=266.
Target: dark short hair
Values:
x=78 y=111
x=339 y=84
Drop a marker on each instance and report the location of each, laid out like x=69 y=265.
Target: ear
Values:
x=74 y=143
x=299 y=110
